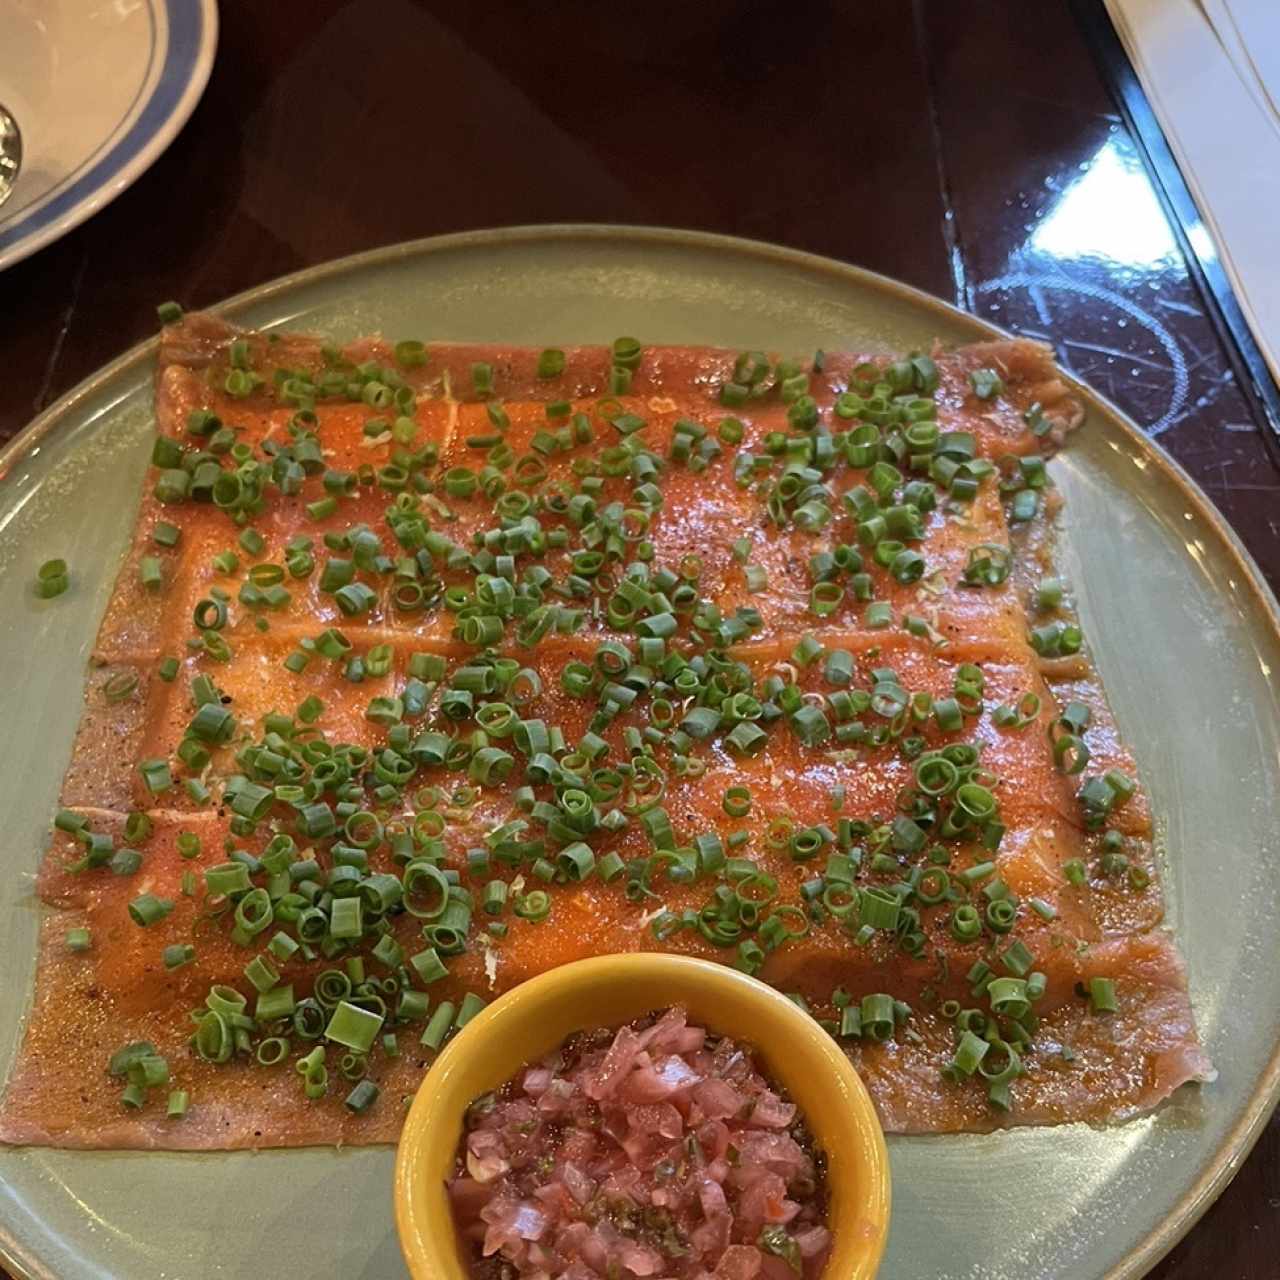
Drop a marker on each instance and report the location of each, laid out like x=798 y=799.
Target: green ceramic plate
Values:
x=1187 y=646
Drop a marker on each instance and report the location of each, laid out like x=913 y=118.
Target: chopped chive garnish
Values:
x=986 y=383
x=52 y=579
x=177 y=954
x=410 y=354
x=551 y=363
x=353 y=1026
x=1102 y=995
x=362 y=1096
x=147 y=909
x=438 y=1027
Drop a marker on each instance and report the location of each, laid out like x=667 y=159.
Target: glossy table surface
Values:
x=963 y=146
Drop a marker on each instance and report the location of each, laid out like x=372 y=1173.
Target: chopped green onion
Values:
x=986 y=383
x=470 y=1006
x=551 y=363
x=1102 y=995
x=362 y=1097
x=52 y=579
x=353 y=1026
x=177 y=954
x=439 y=1026
x=147 y=909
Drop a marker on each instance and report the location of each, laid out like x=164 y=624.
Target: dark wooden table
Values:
x=969 y=147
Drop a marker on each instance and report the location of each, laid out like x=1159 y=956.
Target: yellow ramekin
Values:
x=533 y=1018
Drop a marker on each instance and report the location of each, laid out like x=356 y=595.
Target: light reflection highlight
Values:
x=1111 y=212
x=1202 y=242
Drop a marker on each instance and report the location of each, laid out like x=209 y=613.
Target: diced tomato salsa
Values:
x=659 y=1151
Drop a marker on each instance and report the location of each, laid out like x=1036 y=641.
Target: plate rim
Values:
x=97 y=193
x=1262 y=1099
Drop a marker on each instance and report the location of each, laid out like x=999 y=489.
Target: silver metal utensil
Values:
x=10 y=153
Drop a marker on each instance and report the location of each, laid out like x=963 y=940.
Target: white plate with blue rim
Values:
x=99 y=89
